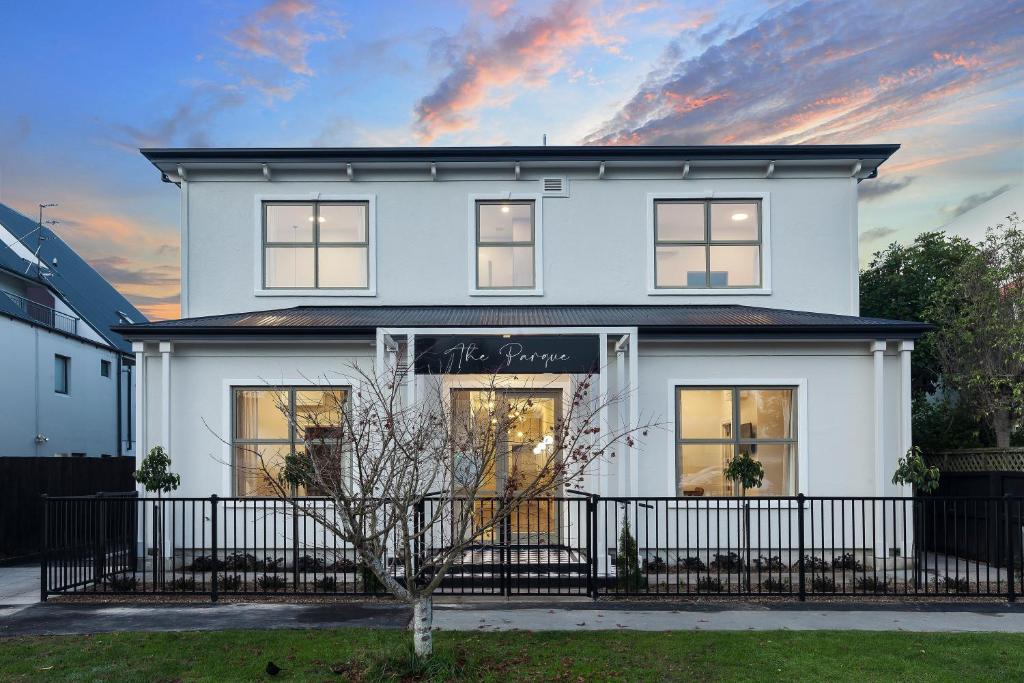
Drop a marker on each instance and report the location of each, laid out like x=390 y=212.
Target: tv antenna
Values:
x=40 y=237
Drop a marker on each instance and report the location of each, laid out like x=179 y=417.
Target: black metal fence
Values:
x=790 y=547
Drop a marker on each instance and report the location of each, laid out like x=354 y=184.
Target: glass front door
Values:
x=523 y=456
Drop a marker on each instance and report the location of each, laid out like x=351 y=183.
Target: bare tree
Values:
x=377 y=457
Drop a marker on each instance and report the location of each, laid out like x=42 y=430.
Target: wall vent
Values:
x=554 y=187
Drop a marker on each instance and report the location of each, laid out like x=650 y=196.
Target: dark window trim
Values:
x=316 y=243
x=707 y=243
x=65 y=371
x=291 y=441
x=735 y=440
x=105 y=368
x=532 y=243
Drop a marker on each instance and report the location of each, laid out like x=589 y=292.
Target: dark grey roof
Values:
x=686 y=320
x=84 y=290
x=523 y=153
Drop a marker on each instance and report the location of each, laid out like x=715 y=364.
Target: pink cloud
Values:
x=526 y=53
x=278 y=32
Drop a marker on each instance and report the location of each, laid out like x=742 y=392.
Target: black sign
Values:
x=545 y=353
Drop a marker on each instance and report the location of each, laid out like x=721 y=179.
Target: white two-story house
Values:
x=716 y=287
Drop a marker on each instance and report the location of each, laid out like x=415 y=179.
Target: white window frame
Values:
x=371 y=236
x=352 y=384
x=766 y=248
x=802 y=421
x=538 y=243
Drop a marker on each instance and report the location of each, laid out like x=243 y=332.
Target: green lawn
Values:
x=384 y=655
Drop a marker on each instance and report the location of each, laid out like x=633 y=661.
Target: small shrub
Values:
x=871 y=584
x=205 y=564
x=122 y=584
x=823 y=584
x=847 y=561
x=769 y=564
x=772 y=585
x=325 y=584
x=240 y=562
x=691 y=564
x=343 y=565
x=657 y=565
x=709 y=584
x=230 y=583
x=271 y=583
x=307 y=563
x=956 y=585
x=812 y=564
x=270 y=564
x=727 y=563
x=183 y=584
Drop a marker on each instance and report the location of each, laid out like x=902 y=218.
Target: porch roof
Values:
x=691 y=321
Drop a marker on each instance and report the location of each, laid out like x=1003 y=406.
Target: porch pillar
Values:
x=623 y=412
x=602 y=397
x=410 y=369
x=906 y=395
x=878 y=353
x=141 y=444
x=165 y=395
x=634 y=411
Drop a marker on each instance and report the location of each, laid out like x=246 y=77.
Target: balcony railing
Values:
x=45 y=315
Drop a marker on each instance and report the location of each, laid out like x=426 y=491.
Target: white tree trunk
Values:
x=422 y=620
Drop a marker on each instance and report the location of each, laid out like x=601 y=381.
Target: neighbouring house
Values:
x=67 y=375
x=718 y=286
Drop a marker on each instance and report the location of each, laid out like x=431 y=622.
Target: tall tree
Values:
x=900 y=283
x=979 y=342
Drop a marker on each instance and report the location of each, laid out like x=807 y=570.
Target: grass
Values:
x=365 y=655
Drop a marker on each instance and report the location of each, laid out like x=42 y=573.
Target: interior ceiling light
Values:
x=740 y=216
x=505 y=208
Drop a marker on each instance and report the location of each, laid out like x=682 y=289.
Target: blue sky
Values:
x=85 y=85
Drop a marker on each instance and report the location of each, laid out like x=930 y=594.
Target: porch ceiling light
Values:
x=740 y=216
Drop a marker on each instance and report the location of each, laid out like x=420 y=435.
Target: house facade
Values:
x=714 y=288
x=68 y=375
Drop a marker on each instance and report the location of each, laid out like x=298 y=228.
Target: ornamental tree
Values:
x=378 y=458
x=980 y=337
x=154 y=474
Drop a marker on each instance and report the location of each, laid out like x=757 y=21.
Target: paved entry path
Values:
x=71 y=618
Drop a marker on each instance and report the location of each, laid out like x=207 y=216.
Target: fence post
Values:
x=800 y=542
x=418 y=540
x=295 y=544
x=213 y=548
x=43 y=559
x=592 y=501
x=100 y=542
x=1011 y=585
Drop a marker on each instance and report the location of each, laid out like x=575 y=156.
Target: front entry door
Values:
x=522 y=456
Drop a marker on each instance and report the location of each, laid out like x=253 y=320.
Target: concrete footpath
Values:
x=75 y=618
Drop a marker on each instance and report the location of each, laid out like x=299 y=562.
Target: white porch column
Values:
x=623 y=413
x=906 y=404
x=634 y=411
x=165 y=395
x=410 y=369
x=141 y=445
x=602 y=397
x=878 y=353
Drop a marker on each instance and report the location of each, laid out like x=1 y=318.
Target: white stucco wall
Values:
x=836 y=421
x=594 y=242
x=83 y=421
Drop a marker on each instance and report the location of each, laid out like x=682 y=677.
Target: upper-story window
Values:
x=707 y=244
x=316 y=245
x=505 y=245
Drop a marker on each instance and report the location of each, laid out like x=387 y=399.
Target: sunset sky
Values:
x=84 y=85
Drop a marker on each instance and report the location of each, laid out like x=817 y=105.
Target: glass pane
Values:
x=767 y=414
x=531 y=441
x=738 y=266
x=289 y=223
x=60 y=374
x=261 y=414
x=289 y=267
x=734 y=221
x=680 y=266
x=318 y=413
x=779 y=469
x=705 y=413
x=256 y=466
x=476 y=442
x=679 y=221
x=700 y=469
x=507 y=222
x=343 y=267
x=343 y=223
x=504 y=267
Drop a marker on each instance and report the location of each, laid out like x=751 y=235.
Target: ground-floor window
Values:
x=271 y=422
x=714 y=424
